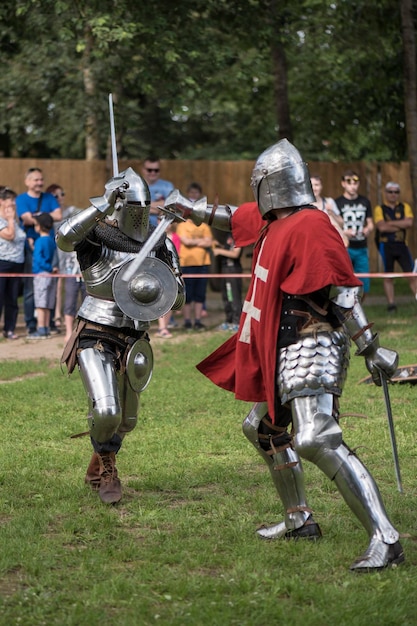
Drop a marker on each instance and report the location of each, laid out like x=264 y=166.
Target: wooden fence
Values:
x=227 y=180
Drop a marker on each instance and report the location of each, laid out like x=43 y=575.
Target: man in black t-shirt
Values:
x=356 y=211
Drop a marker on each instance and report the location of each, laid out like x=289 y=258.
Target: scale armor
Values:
x=314 y=365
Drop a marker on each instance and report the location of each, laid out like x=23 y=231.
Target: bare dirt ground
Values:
x=24 y=349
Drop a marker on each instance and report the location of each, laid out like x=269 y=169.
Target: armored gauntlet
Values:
x=199 y=212
x=76 y=228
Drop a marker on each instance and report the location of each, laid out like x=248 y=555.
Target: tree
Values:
x=215 y=79
x=410 y=87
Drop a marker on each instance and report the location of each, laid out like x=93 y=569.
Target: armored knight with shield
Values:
x=132 y=276
x=291 y=352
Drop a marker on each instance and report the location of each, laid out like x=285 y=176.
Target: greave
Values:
x=361 y=494
x=318 y=438
x=285 y=468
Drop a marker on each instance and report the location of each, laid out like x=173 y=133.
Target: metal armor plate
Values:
x=314 y=365
x=139 y=365
x=147 y=295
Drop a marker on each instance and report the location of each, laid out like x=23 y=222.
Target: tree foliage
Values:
x=215 y=79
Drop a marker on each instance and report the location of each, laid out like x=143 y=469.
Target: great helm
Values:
x=133 y=219
x=281 y=179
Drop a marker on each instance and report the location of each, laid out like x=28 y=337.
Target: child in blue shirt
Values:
x=44 y=263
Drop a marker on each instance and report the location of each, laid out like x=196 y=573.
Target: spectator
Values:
x=44 y=284
x=167 y=321
x=231 y=288
x=356 y=211
x=196 y=242
x=159 y=188
x=328 y=205
x=58 y=192
x=195 y=192
x=28 y=204
x=392 y=220
x=12 y=257
x=73 y=286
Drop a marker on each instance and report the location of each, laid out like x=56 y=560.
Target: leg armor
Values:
x=98 y=374
x=318 y=438
x=285 y=467
x=129 y=400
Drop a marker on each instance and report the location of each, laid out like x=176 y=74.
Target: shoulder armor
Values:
x=345 y=297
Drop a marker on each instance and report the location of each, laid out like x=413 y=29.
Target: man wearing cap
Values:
x=356 y=211
x=392 y=219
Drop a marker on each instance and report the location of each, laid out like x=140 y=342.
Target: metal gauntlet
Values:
x=216 y=215
x=349 y=311
x=76 y=228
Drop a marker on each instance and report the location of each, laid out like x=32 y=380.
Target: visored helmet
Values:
x=281 y=179
x=133 y=219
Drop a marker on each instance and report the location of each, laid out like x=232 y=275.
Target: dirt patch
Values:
x=24 y=349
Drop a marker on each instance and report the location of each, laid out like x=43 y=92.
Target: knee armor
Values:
x=284 y=464
x=99 y=378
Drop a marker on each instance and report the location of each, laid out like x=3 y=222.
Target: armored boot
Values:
x=92 y=476
x=110 y=489
x=287 y=475
x=361 y=493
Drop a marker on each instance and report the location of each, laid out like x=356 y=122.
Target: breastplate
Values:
x=98 y=277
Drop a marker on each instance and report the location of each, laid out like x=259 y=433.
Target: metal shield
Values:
x=139 y=365
x=147 y=295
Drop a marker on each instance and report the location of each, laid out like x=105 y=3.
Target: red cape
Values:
x=247 y=223
x=296 y=255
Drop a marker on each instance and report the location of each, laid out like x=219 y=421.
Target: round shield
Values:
x=147 y=295
x=139 y=365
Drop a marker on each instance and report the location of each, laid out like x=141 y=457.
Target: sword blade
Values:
x=391 y=431
x=113 y=137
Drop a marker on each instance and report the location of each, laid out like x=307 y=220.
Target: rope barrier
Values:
x=370 y=275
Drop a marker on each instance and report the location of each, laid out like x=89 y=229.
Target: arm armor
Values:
x=347 y=306
x=216 y=215
x=76 y=228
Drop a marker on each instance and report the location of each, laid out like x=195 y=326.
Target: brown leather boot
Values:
x=92 y=476
x=110 y=489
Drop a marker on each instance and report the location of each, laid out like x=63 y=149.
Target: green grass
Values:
x=180 y=548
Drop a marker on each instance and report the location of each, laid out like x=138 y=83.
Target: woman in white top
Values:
x=12 y=257
x=328 y=205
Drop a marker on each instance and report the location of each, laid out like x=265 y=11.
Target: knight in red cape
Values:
x=291 y=352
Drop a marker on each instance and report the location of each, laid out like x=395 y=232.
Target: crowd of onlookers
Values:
x=29 y=258
x=49 y=282
x=29 y=221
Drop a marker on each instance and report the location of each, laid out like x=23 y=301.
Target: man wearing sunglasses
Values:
x=392 y=220
x=28 y=204
x=356 y=211
x=159 y=188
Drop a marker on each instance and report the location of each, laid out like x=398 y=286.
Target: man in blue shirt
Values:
x=159 y=188
x=28 y=204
